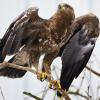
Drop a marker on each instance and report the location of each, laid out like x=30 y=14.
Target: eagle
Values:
x=30 y=36
x=76 y=52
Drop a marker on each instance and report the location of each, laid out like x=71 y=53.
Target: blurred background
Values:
x=89 y=84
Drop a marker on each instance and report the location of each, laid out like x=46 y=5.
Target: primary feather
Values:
x=78 y=49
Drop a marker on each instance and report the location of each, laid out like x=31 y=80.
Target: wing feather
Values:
x=75 y=57
x=17 y=33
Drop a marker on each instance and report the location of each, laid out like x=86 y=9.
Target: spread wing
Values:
x=19 y=32
x=75 y=56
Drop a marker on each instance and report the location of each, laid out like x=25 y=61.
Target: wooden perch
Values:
x=93 y=71
x=12 y=65
x=64 y=94
x=31 y=95
x=77 y=93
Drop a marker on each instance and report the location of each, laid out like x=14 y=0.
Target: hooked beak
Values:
x=61 y=6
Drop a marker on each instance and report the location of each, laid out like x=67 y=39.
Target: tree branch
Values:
x=79 y=94
x=31 y=95
x=12 y=65
x=93 y=71
x=2 y=93
x=64 y=93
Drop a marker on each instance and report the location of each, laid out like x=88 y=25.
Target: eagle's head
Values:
x=67 y=10
x=64 y=6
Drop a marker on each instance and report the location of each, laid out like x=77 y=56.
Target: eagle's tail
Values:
x=59 y=94
x=65 y=81
x=11 y=72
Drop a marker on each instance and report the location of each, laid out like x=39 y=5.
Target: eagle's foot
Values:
x=42 y=76
x=55 y=85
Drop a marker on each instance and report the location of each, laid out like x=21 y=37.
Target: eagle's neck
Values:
x=59 y=26
x=58 y=20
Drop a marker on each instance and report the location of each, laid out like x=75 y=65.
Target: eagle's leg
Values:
x=41 y=69
x=55 y=85
x=45 y=72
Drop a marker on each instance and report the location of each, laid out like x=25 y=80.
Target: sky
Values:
x=9 y=10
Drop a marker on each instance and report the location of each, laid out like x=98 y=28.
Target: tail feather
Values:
x=12 y=72
x=59 y=94
x=65 y=81
x=65 y=85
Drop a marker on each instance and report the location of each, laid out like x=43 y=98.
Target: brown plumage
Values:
x=78 y=49
x=30 y=36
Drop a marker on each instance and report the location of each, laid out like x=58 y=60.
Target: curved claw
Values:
x=50 y=86
x=55 y=85
x=42 y=76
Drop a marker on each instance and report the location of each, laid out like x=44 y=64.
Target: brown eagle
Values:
x=29 y=36
x=78 y=49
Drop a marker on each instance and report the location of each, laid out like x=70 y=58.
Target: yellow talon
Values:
x=55 y=85
x=42 y=76
x=50 y=85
